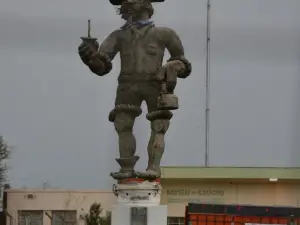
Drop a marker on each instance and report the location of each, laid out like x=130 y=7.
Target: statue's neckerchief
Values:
x=136 y=28
x=137 y=24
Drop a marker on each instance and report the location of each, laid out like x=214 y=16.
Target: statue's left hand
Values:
x=172 y=67
x=176 y=65
x=168 y=73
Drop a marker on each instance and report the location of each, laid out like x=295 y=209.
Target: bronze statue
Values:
x=142 y=78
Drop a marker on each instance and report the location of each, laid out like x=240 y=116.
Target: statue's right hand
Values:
x=86 y=52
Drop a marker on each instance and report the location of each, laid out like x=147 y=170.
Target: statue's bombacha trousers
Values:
x=141 y=46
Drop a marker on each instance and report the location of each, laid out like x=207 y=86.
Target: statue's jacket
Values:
x=141 y=49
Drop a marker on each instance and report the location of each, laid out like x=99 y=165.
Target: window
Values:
x=30 y=217
x=64 y=217
x=138 y=215
x=175 y=220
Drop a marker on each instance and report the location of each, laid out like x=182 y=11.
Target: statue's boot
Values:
x=127 y=168
x=153 y=170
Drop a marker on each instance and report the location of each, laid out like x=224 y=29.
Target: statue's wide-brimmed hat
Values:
x=119 y=2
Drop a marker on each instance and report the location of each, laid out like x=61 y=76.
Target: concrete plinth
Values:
x=138 y=203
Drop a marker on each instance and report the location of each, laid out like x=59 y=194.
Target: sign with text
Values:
x=200 y=195
x=195 y=192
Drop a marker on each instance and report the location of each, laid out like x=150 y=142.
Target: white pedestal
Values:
x=139 y=204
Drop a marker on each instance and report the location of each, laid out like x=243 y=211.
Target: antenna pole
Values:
x=207 y=84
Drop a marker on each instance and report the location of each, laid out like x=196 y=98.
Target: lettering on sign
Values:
x=196 y=192
x=193 y=200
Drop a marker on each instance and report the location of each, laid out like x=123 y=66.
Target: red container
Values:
x=209 y=214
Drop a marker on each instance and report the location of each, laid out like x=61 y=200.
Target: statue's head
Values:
x=135 y=9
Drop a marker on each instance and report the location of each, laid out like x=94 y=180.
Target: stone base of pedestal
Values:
x=138 y=203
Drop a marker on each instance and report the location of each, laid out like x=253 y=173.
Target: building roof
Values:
x=228 y=173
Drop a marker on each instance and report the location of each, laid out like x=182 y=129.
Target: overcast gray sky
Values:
x=54 y=111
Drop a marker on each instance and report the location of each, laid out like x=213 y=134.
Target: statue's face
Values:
x=131 y=9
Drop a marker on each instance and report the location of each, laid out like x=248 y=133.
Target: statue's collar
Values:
x=139 y=23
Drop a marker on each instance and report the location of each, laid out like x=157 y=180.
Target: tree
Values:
x=4 y=154
x=94 y=216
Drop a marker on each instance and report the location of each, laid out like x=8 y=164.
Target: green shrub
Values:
x=94 y=216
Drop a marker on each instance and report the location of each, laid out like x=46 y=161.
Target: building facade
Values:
x=251 y=186
x=49 y=207
x=219 y=185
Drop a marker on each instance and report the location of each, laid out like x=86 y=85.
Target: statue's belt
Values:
x=137 y=81
x=137 y=78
